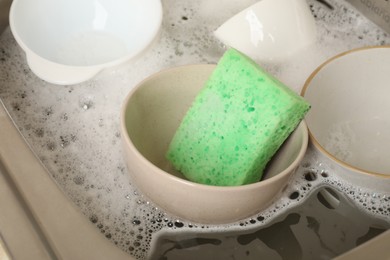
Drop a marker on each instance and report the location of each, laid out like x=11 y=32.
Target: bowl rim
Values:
x=311 y=135
x=155 y=29
x=302 y=127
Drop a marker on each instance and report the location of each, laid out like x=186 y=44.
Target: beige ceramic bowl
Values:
x=349 y=120
x=150 y=116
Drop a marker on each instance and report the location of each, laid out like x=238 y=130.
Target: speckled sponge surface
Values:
x=235 y=125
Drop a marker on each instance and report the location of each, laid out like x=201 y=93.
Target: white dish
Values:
x=70 y=41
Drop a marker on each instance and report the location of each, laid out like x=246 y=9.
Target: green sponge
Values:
x=235 y=125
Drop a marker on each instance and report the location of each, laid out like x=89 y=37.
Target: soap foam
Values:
x=74 y=129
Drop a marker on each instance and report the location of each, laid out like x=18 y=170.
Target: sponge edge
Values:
x=235 y=125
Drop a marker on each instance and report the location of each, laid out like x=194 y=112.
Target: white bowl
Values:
x=349 y=120
x=70 y=41
x=150 y=116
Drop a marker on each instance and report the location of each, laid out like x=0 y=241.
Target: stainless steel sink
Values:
x=41 y=219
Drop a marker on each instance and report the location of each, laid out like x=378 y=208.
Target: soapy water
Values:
x=307 y=231
x=74 y=130
x=310 y=218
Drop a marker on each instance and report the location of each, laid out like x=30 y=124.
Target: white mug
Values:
x=270 y=30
